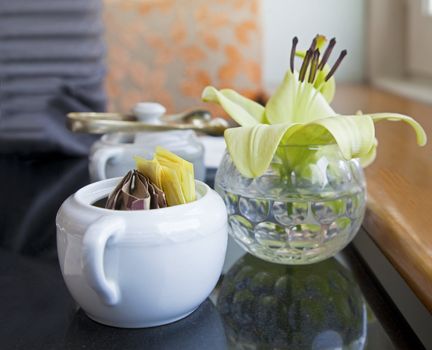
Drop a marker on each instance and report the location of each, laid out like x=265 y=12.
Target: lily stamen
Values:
x=305 y=65
x=336 y=65
x=314 y=66
x=327 y=53
x=293 y=50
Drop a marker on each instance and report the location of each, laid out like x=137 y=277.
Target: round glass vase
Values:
x=306 y=207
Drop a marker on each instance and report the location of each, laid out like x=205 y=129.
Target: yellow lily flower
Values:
x=299 y=113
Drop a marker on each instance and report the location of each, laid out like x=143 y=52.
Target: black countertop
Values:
x=257 y=305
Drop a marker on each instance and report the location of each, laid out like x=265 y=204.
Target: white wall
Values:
x=284 y=19
x=419 y=30
x=385 y=38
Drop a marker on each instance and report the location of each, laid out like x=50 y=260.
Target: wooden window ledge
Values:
x=399 y=214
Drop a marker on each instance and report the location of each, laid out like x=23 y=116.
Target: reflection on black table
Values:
x=31 y=193
x=203 y=329
x=318 y=306
x=259 y=305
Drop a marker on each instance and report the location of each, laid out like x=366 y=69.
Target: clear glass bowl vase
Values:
x=306 y=207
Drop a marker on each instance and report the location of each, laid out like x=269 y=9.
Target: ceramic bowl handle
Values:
x=100 y=159
x=94 y=245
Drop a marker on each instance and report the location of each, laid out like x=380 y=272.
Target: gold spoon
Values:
x=102 y=123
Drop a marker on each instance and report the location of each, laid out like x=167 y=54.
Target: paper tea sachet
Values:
x=299 y=113
x=136 y=192
x=172 y=173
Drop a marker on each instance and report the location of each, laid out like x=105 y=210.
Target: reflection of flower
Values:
x=267 y=305
x=136 y=192
x=299 y=113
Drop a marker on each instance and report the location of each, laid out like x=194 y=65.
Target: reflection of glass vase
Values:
x=306 y=207
x=266 y=306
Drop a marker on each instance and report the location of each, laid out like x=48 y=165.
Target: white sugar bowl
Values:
x=140 y=268
x=112 y=155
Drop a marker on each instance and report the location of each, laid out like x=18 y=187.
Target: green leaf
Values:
x=296 y=102
x=243 y=110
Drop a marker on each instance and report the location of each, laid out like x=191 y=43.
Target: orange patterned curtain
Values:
x=168 y=51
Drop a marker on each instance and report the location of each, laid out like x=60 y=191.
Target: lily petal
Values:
x=296 y=102
x=395 y=117
x=252 y=147
x=354 y=134
x=369 y=158
x=327 y=88
x=253 y=108
x=243 y=110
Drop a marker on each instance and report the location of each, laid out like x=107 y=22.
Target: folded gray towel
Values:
x=33 y=85
x=51 y=63
x=25 y=86
x=16 y=105
x=43 y=69
x=51 y=49
x=47 y=25
x=23 y=7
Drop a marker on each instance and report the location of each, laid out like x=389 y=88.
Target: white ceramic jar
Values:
x=140 y=268
x=112 y=155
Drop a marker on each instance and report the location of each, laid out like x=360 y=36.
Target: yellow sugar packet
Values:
x=171 y=186
x=151 y=168
x=183 y=169
x=171 y=173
